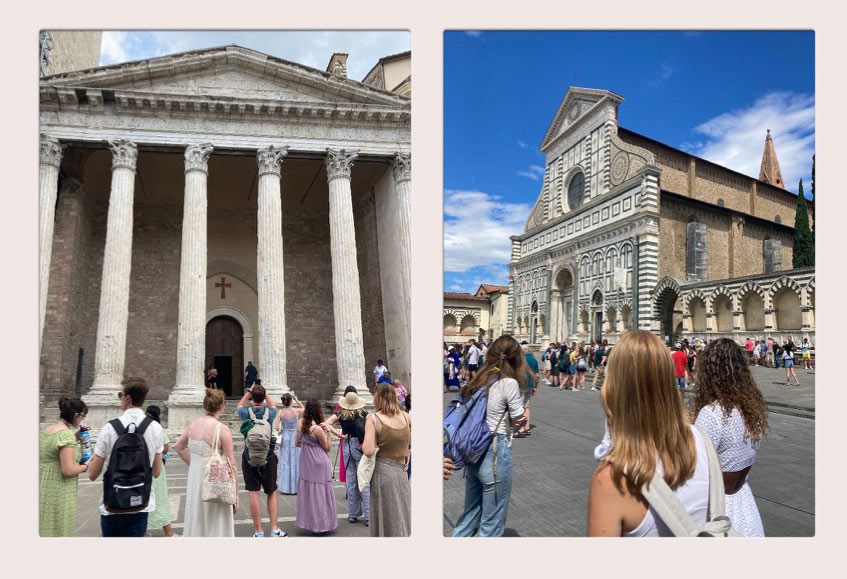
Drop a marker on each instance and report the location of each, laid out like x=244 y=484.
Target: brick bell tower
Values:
x=769 y=171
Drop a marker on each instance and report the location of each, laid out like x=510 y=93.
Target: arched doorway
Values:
x=225 y=349
x=665 y=311
x=597 y=309
x=564 y=323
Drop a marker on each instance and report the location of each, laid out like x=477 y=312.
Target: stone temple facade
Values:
x=628 y=232
x=214 y=207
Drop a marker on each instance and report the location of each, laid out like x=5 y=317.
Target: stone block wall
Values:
x=367 y=249
x=68 y=324
x=309 y=321
x=154 y=278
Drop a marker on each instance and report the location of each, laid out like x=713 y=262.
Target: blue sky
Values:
x=712 y=94
x=310 y=47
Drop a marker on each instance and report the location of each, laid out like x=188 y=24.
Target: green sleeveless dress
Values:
x=56 y=493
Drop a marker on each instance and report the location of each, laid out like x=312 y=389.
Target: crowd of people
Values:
x=657 y=448
x=286 y=450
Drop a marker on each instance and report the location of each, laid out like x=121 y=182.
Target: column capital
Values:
x=402 y=167
x=51 y=151
x=197 y=157
x=338 y=163
x=269 y=159
x=124 y=154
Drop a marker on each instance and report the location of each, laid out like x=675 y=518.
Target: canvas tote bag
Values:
x=219 y=485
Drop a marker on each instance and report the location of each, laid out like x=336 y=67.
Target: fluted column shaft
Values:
x=346 y=299
x=110 y=349
x=270 y=273
x=403 y=187
x=48 y=182
x=191 y=333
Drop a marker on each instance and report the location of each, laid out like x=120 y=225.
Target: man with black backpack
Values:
x=130 y=449
x=258 y=460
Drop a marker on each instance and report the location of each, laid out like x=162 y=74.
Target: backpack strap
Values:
x=252 y=414
x=142 y=427
x=119 y=427
x=718 y=522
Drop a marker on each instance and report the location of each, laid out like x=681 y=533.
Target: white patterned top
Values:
x=736 y=452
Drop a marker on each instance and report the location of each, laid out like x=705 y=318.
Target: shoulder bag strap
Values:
x=718 y=521
x=668 y=507
x=215 y=437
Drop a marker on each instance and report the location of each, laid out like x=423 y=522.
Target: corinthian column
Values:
x=270 y=272
x=110 y=349
x=346 y=299
x=403 y=186
x=48 y=182
x=187 y=397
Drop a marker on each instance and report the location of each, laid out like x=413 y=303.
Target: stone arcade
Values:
x=631 y=233
x=214 y=207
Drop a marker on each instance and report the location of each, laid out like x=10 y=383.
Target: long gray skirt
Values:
x=391 y=500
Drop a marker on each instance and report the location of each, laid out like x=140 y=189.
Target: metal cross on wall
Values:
x=223 y=285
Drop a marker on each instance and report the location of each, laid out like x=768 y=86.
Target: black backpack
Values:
x=129 y=477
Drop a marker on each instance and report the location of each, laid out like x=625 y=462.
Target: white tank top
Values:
x=694 y=496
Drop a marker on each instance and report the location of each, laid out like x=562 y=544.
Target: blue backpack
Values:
x=467 y=436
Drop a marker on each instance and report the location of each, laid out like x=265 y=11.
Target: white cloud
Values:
x=736 y=139
x=523 y=145
x=474 y=33
x=308 y=47
x=534 y=172
x=658 y=79
x=112 y=47
x=477 y=228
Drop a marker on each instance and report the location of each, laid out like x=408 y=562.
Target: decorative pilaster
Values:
x=647 y=276
x=402 y=169
x=270 y=272
x=555 y=315
x=346 y=299
x=110 y=350
x=187 y=396
x=50 y=159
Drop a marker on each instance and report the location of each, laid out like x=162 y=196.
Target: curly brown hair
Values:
x=724 y=378
x=312 y=414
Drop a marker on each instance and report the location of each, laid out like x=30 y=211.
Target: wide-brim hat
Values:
x=351 y=401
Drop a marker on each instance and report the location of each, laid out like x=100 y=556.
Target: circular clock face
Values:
x=576 y=191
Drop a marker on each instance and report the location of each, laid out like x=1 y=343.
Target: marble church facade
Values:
x=619 y=214
x=219 y=206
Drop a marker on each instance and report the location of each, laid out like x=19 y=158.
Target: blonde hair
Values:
x=646 y=414
x=385 y=399
x=213 y=400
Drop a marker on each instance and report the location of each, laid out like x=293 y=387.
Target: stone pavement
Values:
x=88 y=516
x=553 y=466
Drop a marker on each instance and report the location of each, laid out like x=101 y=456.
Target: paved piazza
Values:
x=553 y=466
x=88 y=517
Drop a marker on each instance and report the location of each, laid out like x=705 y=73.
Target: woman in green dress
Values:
x=59 y=471
x=161 y=517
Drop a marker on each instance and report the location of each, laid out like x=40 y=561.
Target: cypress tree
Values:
x=804 y=245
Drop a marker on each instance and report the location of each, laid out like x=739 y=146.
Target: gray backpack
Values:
x=668 y=507
x=258 y=440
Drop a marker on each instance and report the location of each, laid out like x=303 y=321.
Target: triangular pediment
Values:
x=576 y=105
x=228 y=72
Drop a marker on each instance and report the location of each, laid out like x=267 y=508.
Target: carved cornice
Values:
x=338 y=163
x=124 y=154
x=270 y=160
x=402 y=168
x=197 y=157
x=50 y=151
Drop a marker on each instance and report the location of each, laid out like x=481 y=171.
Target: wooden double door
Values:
x=225 y=349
